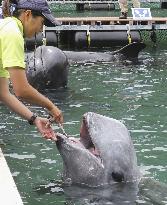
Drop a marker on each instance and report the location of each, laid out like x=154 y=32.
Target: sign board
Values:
x=141 y=13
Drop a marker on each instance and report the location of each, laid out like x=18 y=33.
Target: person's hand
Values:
x=44 y=127
x=56 y=115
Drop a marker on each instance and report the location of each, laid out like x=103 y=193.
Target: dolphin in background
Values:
x=103 y=155
x=47 y=66
x=128 y=52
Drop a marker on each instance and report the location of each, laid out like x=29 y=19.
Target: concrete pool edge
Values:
x=9 y=194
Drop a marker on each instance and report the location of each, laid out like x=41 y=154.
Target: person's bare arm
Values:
x=11 y=101
x=25 y=91
x=15 y=105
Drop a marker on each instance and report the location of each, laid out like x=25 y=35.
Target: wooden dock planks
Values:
x=109 y=20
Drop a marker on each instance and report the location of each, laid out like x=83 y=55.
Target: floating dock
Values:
x=108 y=31
x=92 y=32
x=9 y=194
x=109 y=23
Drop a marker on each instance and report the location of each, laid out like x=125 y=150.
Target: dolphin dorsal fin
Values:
x=131 y=50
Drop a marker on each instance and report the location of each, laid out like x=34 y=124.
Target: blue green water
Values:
x=134 y=94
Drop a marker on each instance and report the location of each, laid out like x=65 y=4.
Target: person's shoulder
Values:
x=10 y=25
x=7 y=20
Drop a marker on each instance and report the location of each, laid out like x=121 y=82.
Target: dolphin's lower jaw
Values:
x=103 y=155
x=81 y=166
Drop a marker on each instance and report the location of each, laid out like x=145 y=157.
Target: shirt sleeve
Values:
x=13 y=50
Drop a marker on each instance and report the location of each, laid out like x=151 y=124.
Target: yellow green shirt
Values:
x=11 y=45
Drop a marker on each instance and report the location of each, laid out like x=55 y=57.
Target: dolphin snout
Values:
x=60 y=138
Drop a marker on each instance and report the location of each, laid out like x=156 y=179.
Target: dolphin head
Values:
x=47 y=67
x=104 y=153
x=80 y=165
x=112 y=141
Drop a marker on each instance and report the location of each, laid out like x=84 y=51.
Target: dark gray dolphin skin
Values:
x=128 y=52
x=103 y=155
x=115 y=194
x=47 y=67
x=152 y=191
x=148 y=192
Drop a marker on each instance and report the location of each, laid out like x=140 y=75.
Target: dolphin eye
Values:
x=118 y=177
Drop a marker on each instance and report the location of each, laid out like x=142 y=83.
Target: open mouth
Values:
x=86 y=140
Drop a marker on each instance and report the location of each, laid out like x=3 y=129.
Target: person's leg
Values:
x=124 y=8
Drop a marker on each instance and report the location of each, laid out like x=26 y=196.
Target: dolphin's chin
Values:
x=86 y=140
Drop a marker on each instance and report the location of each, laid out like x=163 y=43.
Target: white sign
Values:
x=141 y=13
